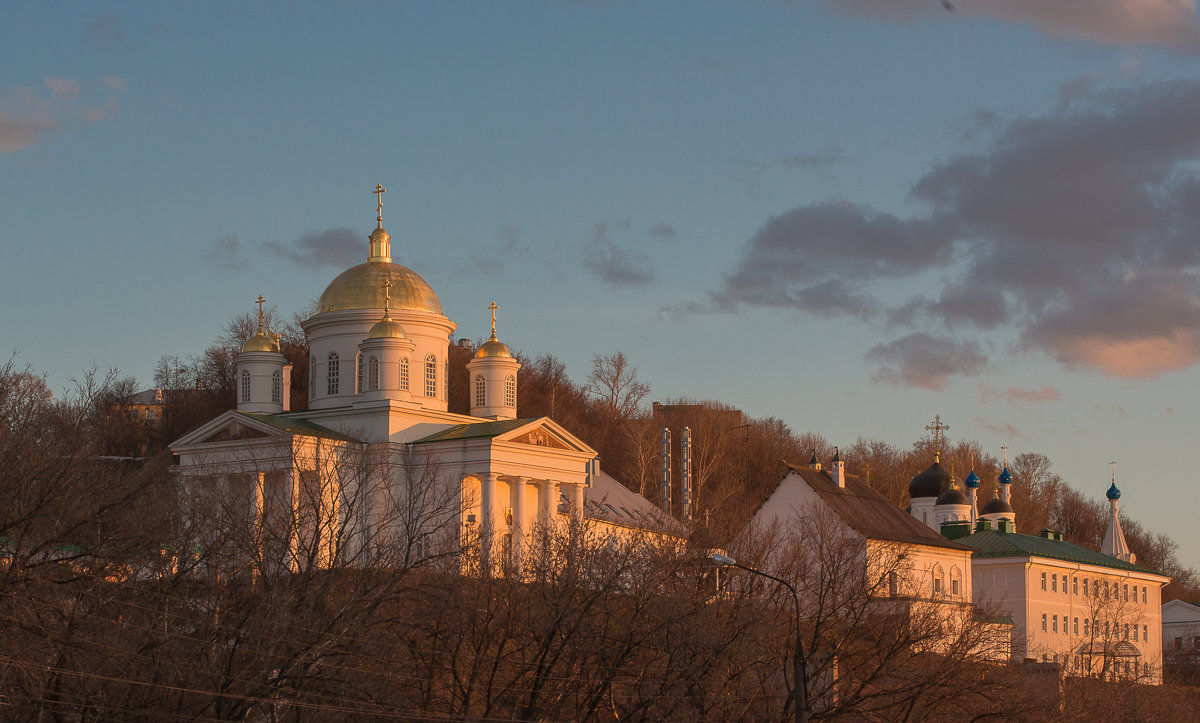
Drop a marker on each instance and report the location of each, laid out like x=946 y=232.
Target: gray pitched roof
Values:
x=298 y=426
x=477 y=430
x=869 y=513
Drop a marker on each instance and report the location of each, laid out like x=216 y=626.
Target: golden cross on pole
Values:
x=493 y=307
x=937 y=428
x=867 y=467
x=1114 y=472
x=1004 y=448
x=260 y=300
x=379 y=191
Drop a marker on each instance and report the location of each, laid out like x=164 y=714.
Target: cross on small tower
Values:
x=1004 y=448
x=867 y=468
x=1114 y=472
x=937 y=428
x=260 y=301
x=379 y=191
x=493 y=307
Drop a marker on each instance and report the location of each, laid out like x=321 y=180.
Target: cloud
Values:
x=1000 y=430
x=1164 y=23
x=106 y=28
x=62 y=87
x=336 y=247
x=613 y=264
x=226 y=254
x=28 y=117
x=925 y=361
x=662 y=231
x=1074 y=230
x=1016 y=395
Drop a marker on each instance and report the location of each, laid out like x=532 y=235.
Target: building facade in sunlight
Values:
x=377 y=471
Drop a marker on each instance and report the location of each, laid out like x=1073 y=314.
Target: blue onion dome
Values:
x=837 y=455
x=1113 y=493
x=1006 y=476
x=953 y=496
x=812 y=461
x=929 y=483
x=996 y=505
x=972 y=481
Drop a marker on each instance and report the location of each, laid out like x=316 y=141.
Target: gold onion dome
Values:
x=363 y=287
x=493 y=347
x=260 y=342
x=385 y=328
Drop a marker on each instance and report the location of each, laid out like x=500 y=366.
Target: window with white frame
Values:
x=1043 y=581
x=404 y=374
x=276 y=387
x=480 y=391
x=510 y=391
x=372 y=373
x=332 y=375
x=1043 y=622
x=431 y=376
x=245 y=386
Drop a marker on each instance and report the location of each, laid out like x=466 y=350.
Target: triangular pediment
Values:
x=540 y=437
x=230 y=432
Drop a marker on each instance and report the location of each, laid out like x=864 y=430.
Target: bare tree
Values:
x=615 y=383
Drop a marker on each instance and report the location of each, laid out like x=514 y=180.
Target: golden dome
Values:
x=493 y=347
x=385 y=328
x=363 y=287
x=260 y=342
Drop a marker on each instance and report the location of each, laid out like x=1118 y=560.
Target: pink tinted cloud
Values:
x=1165 y=23
x=1000 y=430
x=27 y=116
x=1016 y=395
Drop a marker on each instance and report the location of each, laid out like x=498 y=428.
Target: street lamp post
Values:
x=799 y=670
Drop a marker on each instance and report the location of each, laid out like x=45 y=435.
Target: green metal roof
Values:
x=298 y=426
x=990 y=543
x=477 y=430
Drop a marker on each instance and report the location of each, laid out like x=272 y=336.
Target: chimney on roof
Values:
x=837 y=469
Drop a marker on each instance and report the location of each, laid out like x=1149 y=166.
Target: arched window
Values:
x=510 y=391
x=276 y=387
x=373 y=373
x=431 y=376
x=480 y=391
x=359 y=387
x=404 y=374
x=245 y=385
x=331 y=376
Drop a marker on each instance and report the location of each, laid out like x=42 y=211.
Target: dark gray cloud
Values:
x=226 y=254
x=1076 y=229
x=925 y=361
x=336 y=247
x=1165 y=23
x=662 y=231
x=613 y=264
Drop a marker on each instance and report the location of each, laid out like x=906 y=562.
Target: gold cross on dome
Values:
x=379 y=191
x=493 y=307
x=937 y=428
x=1114 y=472
x=260 y=301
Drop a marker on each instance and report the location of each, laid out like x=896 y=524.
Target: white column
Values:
x=521 y=526
x=547 y=503
x=575 y=494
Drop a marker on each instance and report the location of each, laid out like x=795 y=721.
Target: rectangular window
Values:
x=1054 y=624
x=1085 y=627
x=1085 y=587
x=1043 y=581
x=1126 y=593
x=1143 y=595
x=1075 y=626
x=954 y=587
x=1135 y=637
x=1043 y=622
x=1054 y=583
x=1075 y=585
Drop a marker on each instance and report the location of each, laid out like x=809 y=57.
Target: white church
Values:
x=377 y=472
